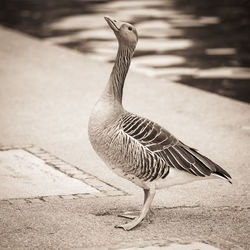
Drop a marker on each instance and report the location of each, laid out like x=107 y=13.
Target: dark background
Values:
x=34 y=16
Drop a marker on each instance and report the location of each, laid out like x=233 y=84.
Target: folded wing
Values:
x=158 y=150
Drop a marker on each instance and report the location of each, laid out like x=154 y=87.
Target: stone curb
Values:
x=105 y=189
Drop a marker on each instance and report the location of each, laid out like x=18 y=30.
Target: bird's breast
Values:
x=103 y=126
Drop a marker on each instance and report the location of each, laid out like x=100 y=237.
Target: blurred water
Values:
x=204 y=44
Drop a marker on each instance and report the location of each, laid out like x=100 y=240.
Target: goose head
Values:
x=126 y=33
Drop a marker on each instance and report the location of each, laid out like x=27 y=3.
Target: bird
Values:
x=135 y=147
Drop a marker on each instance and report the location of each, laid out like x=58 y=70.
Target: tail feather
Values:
x=222 y=173
x=206 y=163
x=217 y=170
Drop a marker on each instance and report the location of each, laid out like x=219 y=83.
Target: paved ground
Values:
x=46 y=95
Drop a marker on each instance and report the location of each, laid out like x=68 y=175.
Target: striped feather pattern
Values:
x=155 y=150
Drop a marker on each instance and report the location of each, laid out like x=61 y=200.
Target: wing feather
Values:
x=144 y=131
x=161 y=150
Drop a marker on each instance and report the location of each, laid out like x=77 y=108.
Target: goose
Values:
x=135 y=147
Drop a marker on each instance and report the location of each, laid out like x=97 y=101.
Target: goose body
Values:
x=136 y=148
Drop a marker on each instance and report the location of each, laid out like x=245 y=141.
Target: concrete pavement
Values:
x=46 y=96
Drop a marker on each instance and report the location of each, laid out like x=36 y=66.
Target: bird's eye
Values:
x=129 y=28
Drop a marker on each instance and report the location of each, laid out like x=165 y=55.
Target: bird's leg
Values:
x=148 y=198
x=150 y=212
x=133 y=214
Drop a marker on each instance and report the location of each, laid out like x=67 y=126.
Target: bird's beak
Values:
x=113 y=24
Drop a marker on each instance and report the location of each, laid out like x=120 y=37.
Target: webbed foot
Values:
x=134 y=214
x=129 y=215
x=128 y=226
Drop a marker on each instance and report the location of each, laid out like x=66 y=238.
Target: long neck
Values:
x=114 y=88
